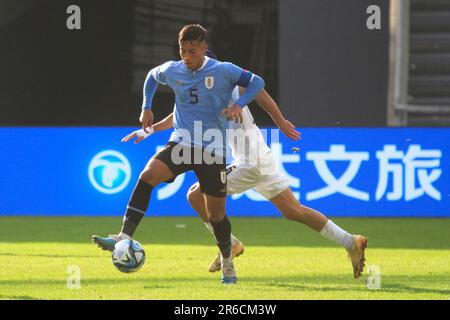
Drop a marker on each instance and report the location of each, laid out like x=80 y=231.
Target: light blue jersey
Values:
x=200 y=97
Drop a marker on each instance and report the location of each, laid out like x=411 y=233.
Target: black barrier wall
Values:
x=317 y=57
x=50 y=75
x=333 y=69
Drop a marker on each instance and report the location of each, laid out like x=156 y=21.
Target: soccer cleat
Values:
x=107 y=243
x=229 y=275
x=356 y=255
x=215 y=265
x=236 y=251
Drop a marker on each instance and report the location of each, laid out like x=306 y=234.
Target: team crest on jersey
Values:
x=223 y=176
x=209 y=82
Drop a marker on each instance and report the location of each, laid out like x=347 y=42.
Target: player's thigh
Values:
x=212 y=179
x=273 y=185
x=286 y=203
x=284 y=197
x=162 y=168
x=194 y=193
x=241 y=179
x=156 y=172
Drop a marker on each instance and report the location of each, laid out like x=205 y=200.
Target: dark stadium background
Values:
x=52 y=76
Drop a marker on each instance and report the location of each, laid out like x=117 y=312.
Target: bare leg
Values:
x=155 y=172
x=197 y=202
x=294 y=210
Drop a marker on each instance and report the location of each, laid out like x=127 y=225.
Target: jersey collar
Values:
x=203 y=65
x=199 y=69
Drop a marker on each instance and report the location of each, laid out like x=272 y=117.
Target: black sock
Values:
x=222 y=232
x=137 y=206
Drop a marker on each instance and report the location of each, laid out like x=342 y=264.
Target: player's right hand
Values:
x=146 y=119
x=289 y=130
x=233 y=113
x=140 y=134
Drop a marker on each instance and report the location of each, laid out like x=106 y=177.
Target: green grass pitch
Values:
x=283 y=260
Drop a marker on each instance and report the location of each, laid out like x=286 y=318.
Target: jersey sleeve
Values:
x=159 y=73
x=237 y=75
x=155 y=76
x=243 y=78
x=150 y=86
x=234 y=96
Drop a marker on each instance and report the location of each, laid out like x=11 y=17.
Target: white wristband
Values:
x=142 y=133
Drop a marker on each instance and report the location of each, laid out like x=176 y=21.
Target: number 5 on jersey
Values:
x=193 y=94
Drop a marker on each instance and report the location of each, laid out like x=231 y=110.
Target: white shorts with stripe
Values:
x=241 y=178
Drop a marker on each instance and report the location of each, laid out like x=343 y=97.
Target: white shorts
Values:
x=241 y=178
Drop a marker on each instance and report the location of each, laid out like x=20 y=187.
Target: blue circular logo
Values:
x=109 y=172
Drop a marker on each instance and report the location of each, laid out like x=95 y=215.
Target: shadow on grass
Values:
x=389 y=288
x=318 y=283
x=6 y=297
x=45 y=255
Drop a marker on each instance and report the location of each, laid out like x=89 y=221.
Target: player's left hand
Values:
x=289 y=130
x=146 y=119
x=140 y=134
x=233 y=113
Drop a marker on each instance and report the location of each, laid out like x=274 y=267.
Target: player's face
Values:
x=193 y=53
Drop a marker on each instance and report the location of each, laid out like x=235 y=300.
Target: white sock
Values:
x=210 y=228
x=226 y=262
x=333 y=232
x=122 y=235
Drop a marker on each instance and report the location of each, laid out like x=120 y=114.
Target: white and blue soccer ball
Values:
x=128 y=256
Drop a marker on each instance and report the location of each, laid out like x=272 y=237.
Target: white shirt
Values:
x=245 y=139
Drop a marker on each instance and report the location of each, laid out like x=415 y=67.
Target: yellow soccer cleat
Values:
x=236 y=251
x=356 y=255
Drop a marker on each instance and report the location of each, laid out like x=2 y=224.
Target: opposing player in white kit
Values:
x=255 y=168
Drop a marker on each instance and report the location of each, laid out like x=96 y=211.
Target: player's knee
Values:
x=216 y=213
x=149 y=177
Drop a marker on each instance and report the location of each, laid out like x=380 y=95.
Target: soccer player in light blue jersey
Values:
x=249 y=171
x=202 y=88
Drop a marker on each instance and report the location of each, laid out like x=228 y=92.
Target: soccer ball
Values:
x=128 y=256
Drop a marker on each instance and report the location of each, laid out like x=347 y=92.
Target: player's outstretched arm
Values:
x=166 y=123
x=265 y=101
